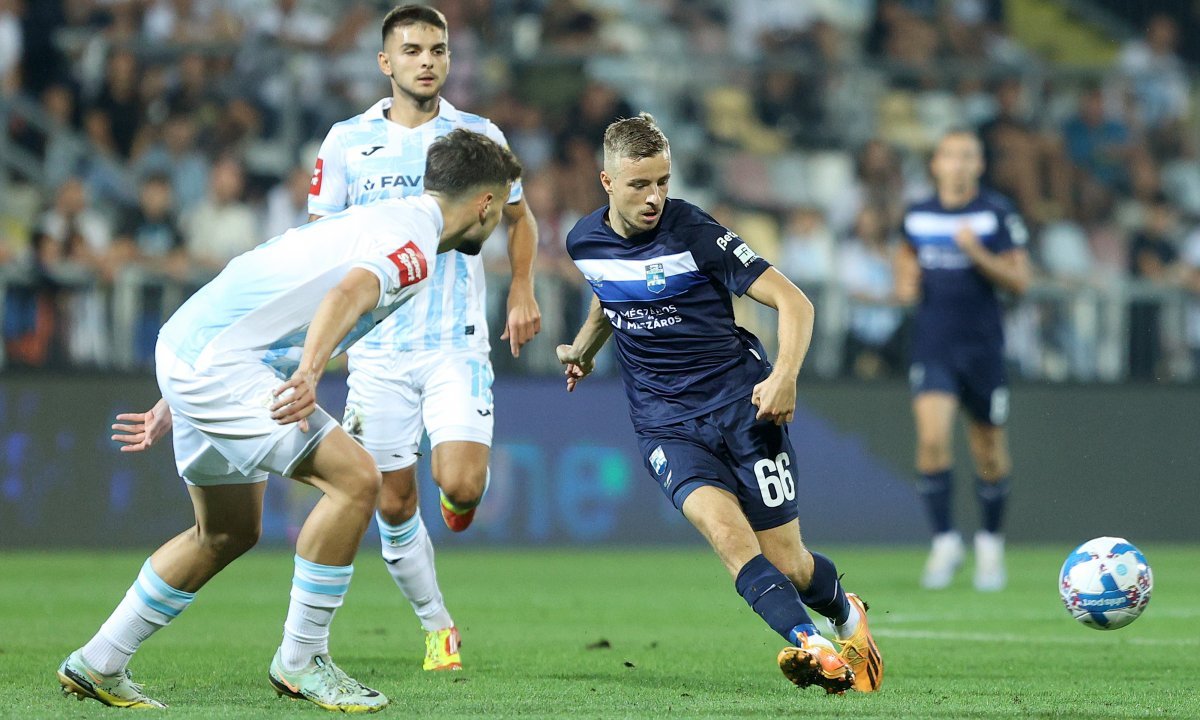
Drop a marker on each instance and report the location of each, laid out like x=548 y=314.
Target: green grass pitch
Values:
x=619 y=633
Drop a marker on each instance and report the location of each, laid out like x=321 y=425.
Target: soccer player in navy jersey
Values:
x=709 y=410
x=963 y=246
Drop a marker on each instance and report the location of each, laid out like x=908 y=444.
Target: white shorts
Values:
x=391 y=402
x=221 y=424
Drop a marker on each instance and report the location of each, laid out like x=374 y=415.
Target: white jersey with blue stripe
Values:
x=368 y=158
x=259 y=308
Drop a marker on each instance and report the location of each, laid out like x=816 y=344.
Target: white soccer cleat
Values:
x=945 y=557
x=989 y=562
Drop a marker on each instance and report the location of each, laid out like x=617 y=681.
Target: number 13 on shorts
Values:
x=775 y=480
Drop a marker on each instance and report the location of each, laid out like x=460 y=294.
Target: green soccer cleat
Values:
x=325 y=685
x=80 y=680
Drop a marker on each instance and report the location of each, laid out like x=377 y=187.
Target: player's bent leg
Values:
x=934 y=415
x=325 y=549
x=812 y=660
x=408 y=553
x=460 y=468
x=989 y=449
x=228 y=519
x=816 y=579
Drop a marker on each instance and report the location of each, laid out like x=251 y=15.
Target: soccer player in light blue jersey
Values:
x=963 y=246
x=709 y=409
x=426 y=368
x=238 y=365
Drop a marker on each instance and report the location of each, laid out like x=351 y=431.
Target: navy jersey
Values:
x=959 y=308
x=667 y=294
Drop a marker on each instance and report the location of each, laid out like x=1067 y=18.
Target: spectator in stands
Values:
x=222 y=226
x=808 y=254
x=1156 y=74
x=878 y=183
x=176 y=155
x=194 y=94
x=1023 y=163
x=120 y=100
x=72 y=246
x=287 y=203
x=597 y=106
x=873 y=343
x=11 y=41
x=1151 y=255
x=1098 y=145
x=148 y=238
x=791 y=103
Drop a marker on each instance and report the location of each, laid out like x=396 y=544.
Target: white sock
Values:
x=408 y=552
x=148 y=606
x=846 y=629
x=317 y=592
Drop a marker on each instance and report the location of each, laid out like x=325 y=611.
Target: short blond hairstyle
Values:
x=633 y=138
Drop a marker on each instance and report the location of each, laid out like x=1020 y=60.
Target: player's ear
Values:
x=385 y=65
x=606 y=181
x=484 y=204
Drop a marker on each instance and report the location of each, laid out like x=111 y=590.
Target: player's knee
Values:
x=360 y=485
x=465 y=488
x=397 y=506
x=933 y=454
x=993 y=468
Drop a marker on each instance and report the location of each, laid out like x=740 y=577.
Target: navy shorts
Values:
x=978 y=380
x=728 y=449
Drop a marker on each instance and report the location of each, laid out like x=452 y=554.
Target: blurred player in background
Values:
x=709 y=410
x=280 y=312
x=962 y=247
x=426 y=368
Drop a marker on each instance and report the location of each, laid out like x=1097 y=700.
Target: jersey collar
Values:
x=378 y=112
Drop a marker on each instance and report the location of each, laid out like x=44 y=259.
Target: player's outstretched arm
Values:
x=775 y=397
x=340 y=309
x=580 y=356
x=524 y=318
x=140 y=431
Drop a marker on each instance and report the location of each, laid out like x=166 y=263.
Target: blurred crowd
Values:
x=150 y=141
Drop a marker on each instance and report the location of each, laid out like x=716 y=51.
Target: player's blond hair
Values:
x=633 y=138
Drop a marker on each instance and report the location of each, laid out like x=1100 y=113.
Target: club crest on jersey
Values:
x=658 y=460
x=656 y=277
x=410 y=261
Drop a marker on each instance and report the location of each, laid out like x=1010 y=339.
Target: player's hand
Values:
x=577 y=367
x=295 y=400
x=140 y=431
x=775 y=399
x=524 y=318
x=968 y=241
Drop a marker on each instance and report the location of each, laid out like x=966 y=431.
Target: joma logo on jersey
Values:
x=410 y=261
x=387 y=181
x=656 y=277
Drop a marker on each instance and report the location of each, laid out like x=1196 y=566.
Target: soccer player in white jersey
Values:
x=426 y=368
x=238 y=365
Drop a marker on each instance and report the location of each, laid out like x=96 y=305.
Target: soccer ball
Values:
x=1105 y=583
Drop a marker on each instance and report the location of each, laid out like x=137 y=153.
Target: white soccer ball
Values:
x=1105 y=583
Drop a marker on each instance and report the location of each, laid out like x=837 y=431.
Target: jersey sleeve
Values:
x=517 y=192
x=400 y=265
x=721 y=254
x=327 y=191
x=1011 y=233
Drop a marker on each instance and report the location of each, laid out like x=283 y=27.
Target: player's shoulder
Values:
x=586 y=226
x=371 y=115
x=992 y=200
x=471 y=121
x=680 y=213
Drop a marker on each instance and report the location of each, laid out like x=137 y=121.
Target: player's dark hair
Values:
x=462 y=161
x=405 y=15
x=634 y=138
